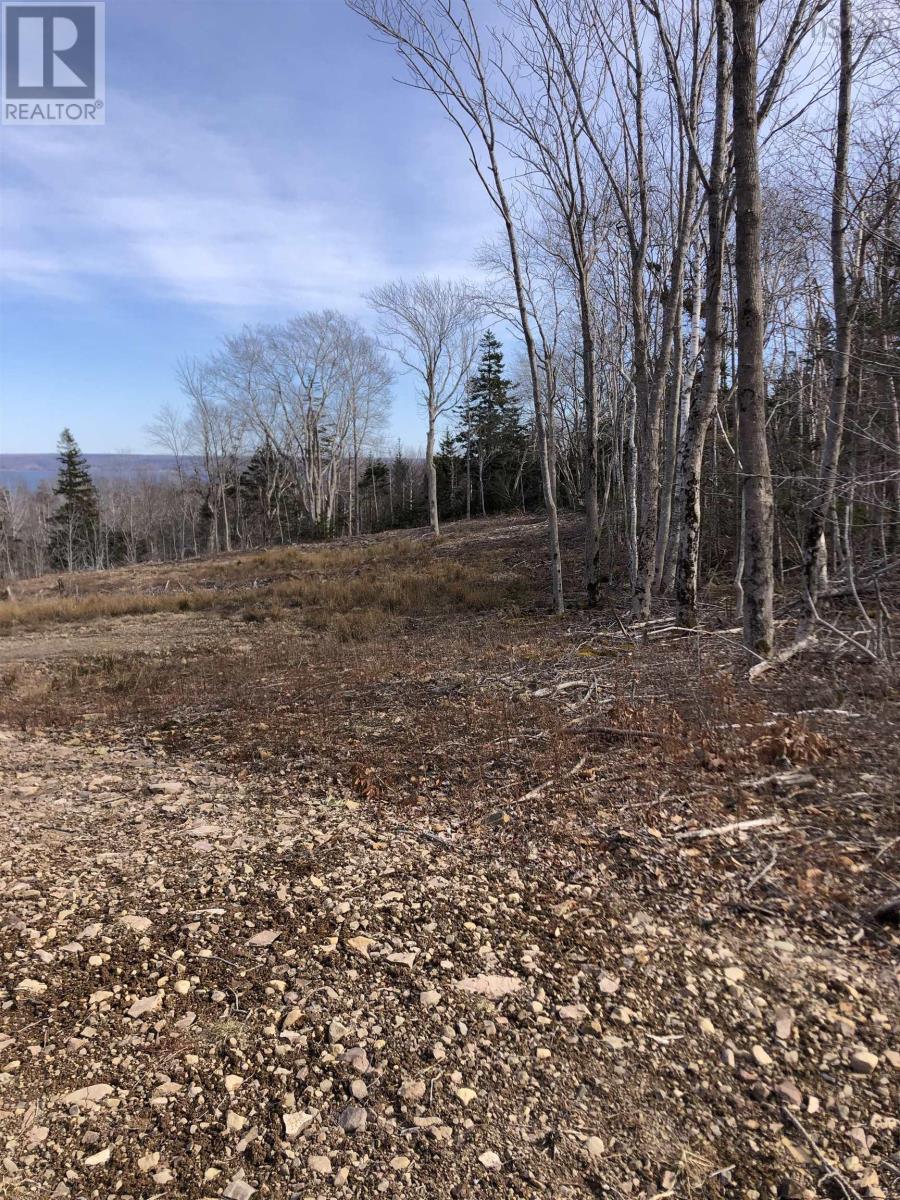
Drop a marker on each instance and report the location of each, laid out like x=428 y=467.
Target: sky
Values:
x=259 y=158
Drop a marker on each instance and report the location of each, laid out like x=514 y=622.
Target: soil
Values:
x=439 y=913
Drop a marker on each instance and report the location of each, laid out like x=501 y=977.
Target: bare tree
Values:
x=440 y=42
x=757 y=579
x=432 y=326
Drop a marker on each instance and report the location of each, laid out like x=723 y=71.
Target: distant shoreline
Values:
x=32 y=470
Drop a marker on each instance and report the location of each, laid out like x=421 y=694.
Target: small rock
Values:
x=320 y=1163
x=147 y=1004
x=863 y=1062
x=595 y=1147
x=412 y=1090
x=33 y=986
x=789 y=1092
x=135 y=924
x=352 y=1119
x=429 y=999
x=784 y=1023
x=98 y=1159
x=361 y=945
x=265 y=938
x=760 y=1057
x=238 y=1189
x=232 y=1083
x=465 y=1095
x=296 y=1122
x=400 y=1163
x=492 y=986
x=574 y=1012
x=491 y=1160
x=356 y=1058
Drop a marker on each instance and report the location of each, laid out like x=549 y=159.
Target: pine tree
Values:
x=492 y=434
x=75 y=524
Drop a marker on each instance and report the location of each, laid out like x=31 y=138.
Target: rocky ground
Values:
x=225 y=983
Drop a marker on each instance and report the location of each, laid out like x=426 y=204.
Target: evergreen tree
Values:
x=75 y=525
x=493 y=436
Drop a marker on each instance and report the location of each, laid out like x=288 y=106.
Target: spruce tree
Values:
x=74 y=525
x=493 y=434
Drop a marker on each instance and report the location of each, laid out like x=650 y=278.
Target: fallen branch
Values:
x=615 y=731
x=782 y=656
x=542 y=787
x=833 y=1173
x=731 y=827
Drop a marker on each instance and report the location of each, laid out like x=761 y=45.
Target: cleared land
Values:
x=347 y=871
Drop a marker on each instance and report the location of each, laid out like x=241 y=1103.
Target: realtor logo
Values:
x=53 y=64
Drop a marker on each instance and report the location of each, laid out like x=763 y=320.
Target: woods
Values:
x=695 y=283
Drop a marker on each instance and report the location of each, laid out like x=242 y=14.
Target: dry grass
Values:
x=349 y=588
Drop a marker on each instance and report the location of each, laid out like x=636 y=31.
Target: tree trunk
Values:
x=753 y=450
x=430 y=471
x=814 y=555
x=694 y=439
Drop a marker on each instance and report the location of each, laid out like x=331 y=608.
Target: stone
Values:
x=357 y=1059
x=465 y=1095
x=784 y=1023
x=232 y=1083
x=595 y=1147
x=264 y=938
x=863 y=1062
x=93 y=1092
x=352 y=1119
x=135 y=924
x=412 y=1090
x=33 y=986
x=493 y=987
x=789 y=1092
x=360 y=945
x=491 y=1160
x=400 y=1162
x=147 y=1004
x=98 y=1159
x=760 y=1056
x=429 y=999
x=320 y=1164
x=296 y=1122
x=574 y=1012
x=238 y=1189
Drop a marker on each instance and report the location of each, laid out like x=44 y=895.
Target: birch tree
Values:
x=432 y=326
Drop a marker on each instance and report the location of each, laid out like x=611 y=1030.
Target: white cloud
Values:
x=177 y=209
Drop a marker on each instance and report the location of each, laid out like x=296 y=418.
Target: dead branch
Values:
x=731 y=827
x=783 y=656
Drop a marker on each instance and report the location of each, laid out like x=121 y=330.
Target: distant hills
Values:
x=34 y=469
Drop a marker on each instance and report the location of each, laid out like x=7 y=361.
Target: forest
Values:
x=697 y=269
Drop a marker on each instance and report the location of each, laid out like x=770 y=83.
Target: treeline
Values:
x=226 y=495
x=699 y=252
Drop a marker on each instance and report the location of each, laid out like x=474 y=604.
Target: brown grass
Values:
x=348 y=588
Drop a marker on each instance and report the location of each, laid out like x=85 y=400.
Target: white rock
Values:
x=490 y=1159
x=136 y=924
x=492 y=986
x=147 y=1004
x=93 y=1092
x=33 y=986
x=98 y=1159
x=296 y=1122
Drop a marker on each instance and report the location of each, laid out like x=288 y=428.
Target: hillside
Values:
x=347 y=871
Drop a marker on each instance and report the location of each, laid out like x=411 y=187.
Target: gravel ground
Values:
x=216 y=988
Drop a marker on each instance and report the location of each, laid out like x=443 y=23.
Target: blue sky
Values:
x=258 y=159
